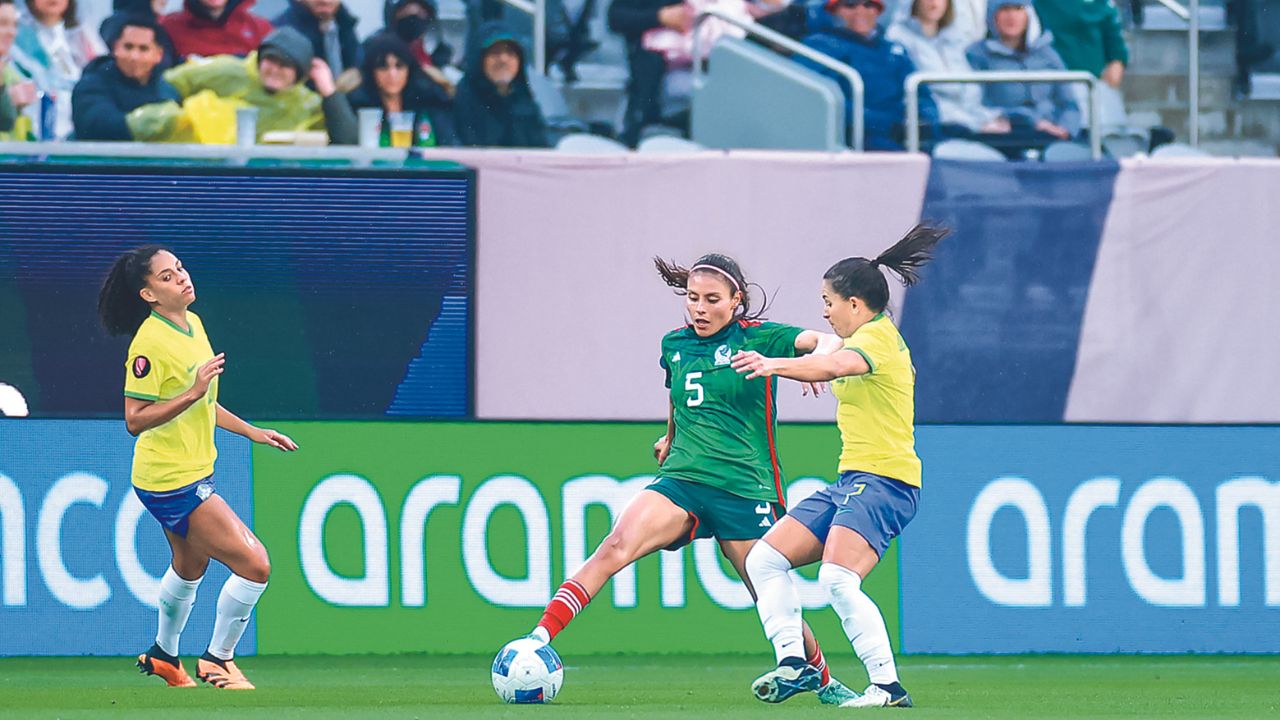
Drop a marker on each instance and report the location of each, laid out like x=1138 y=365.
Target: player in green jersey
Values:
x=720 y=476
x=171 y=405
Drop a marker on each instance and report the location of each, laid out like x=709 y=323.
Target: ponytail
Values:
x=861 y=278
x=723 y=267
x=120 y=308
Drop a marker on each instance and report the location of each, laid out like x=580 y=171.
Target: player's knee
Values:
x=616 y=551
x=765 y=561
x=837 y=581
x=259 y=569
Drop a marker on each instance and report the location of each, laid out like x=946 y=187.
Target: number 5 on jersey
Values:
x=692 y=386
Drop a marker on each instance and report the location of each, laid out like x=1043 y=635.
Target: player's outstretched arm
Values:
x=812 y=341
x=229 y=421
x=810 y=368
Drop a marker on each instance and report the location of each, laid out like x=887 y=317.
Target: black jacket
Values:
x=300 y=18
x=104 y=96
x=485 y=118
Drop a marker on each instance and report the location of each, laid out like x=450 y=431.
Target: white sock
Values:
x=235 y=605
x=861 y=620
x=177 y=597
x=776 y=600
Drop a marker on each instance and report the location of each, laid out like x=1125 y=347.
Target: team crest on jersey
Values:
x=723 y=355
x=141 y=367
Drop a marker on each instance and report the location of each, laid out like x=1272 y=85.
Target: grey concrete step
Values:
x=1160 y=91
x=1166 y=53
x=1213 y=16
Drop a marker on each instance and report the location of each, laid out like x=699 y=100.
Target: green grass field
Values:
x=414 y=686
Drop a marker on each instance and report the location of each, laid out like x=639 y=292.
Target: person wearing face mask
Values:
x=114 y=85
x=411 y=21
x=494 y=106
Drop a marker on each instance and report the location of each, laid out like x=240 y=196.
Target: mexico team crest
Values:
x=723 y=355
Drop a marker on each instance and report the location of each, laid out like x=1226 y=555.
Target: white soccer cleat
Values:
x=876 y=696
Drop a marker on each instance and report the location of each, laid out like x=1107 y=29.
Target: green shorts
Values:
x=717 y=513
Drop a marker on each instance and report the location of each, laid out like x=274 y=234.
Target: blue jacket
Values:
x=1027 y=102
x=884 y=67
x=104 y=96
x=298 y=17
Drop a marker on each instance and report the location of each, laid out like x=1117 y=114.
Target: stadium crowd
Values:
x=148 y=76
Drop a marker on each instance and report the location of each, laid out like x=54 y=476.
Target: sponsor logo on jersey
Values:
x=676 y=357
x=723 y=355
x=764 y=509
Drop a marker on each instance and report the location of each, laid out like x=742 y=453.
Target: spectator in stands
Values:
x=411 y=20
x=273 y=80
x=1034 y=114
x=122 y=10
x=330 y=27
x=1251 y=48
x=494 y=105
x=936 y=44
x=114 y=85
x=858 y=41
x=16 y=89
x=392 y=79
x=61 y=47
x=632 y=19
x=215 y=27
x=1088 y=35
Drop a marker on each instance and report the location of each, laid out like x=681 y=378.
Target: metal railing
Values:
x=538 y=9
x=1192 y=16
x=231 y=154
x=782 y=41
x=916 y=79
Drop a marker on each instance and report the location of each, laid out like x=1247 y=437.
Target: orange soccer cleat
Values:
x=164 y=666
x=222 y=674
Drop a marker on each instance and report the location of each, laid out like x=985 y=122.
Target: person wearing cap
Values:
x=1034 y=114
x=494 y=106
x=272 y=79
x=114 y=85
x=205 y=28
x=858 y=41
x=329 y=26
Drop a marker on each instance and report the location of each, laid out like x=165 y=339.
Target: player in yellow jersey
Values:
x=849 y=525
x=171 y=405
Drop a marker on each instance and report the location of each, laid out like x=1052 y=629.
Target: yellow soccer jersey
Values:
x=163 y=359
x=876 y=411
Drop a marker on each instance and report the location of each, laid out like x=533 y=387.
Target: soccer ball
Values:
x=526 y=671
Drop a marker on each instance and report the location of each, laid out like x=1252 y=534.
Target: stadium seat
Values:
x=1067 y=152
x=966 y=150
x=1178 y=150
x=1123 y=146
x=669 y=145
x=584 y=144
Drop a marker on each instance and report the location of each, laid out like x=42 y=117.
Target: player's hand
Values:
x=207 y=373
x=662 y=448
x=813 y=388
x=277 y=440
x=753 y=364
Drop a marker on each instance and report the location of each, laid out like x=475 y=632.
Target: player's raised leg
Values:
x=847 y=559
x=177 y=596
x=650 y=522
x=216 y=530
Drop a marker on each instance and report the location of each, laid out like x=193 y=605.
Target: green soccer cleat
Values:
x=785 y=681
x=836 y=693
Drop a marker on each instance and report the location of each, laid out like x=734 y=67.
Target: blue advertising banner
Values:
x=1094 y=539
x=82 y=559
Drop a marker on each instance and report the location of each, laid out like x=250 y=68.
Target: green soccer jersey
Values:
x=725 y=425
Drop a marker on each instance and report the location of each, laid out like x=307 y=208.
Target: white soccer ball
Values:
x=527 y=672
